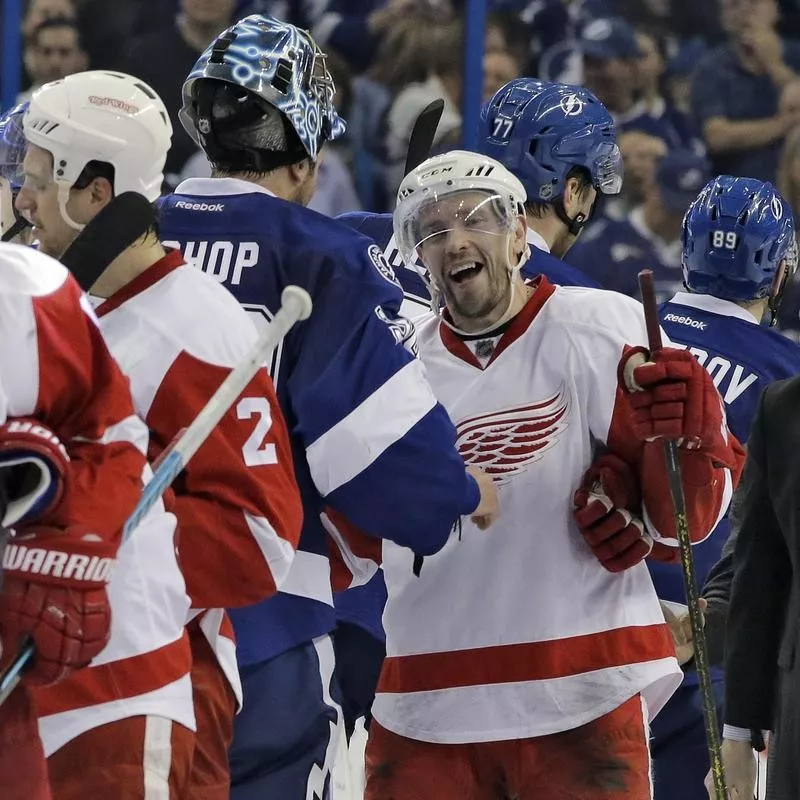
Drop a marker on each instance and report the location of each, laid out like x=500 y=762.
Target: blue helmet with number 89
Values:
x=736 y=235
x=542 y=132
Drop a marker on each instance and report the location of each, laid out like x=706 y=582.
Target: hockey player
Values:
x=92 y=137
x=554 y=138
x=543 y=133
x=365 y=426
x=738 y=257
x=553 y=702
x=72 y=458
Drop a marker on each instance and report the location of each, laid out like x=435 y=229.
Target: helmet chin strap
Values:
x=513 y=269
x=63 y=199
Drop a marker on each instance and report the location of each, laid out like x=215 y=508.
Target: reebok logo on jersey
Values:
x=688 y=321
x=200 y=206
x=57 y=564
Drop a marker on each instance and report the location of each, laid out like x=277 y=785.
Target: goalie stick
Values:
x=423 y=134
x=295 y=306
x=675 y=480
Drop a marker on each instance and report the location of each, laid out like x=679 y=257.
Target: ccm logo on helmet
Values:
x=114 y=102
x=200 y=206
x=692 y=323
x=436 y=171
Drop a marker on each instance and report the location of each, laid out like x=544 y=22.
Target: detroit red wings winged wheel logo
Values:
x=504 y=443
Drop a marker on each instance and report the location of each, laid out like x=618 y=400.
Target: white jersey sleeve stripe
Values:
x=342 y=452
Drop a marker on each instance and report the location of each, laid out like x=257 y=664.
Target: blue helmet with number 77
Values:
x=736 y=235
x=543 y=131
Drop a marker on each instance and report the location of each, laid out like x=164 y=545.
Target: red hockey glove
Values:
x=606 y=511
x=673 y=397
x=54 y=591
x=34 y=470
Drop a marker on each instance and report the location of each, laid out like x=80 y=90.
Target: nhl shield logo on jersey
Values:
x=504 y=443
x=380 y=263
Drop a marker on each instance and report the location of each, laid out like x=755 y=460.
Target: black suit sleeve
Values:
x=760 y=591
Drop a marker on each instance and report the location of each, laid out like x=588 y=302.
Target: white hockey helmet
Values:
x=458 y=171
x=102 y=116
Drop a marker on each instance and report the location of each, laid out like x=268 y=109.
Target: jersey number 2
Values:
x=255 y=452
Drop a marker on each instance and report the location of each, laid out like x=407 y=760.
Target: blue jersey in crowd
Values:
x=742 y=357
x=614 y=251
x=365 y=426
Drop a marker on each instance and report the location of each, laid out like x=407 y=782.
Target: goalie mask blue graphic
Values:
x=278 y=63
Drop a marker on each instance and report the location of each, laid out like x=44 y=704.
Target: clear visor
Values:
x=607 y=171
x=429 y=222
x=792 y=255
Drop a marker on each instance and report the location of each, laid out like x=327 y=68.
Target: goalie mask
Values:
x=462 y=215
x=12 y=153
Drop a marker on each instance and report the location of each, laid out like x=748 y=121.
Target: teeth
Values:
x=463 y=268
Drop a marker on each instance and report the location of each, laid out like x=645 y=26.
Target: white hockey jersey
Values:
x=518 y=631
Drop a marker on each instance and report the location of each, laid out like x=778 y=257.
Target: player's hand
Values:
x=680 y=627
x=54 y=591
x=739 y=765
x=489 y=507
x=671 y=396
x=606 y=510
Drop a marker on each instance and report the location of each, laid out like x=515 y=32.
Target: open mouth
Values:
x=465 y=272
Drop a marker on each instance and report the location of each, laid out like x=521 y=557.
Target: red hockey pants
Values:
x=607 y=759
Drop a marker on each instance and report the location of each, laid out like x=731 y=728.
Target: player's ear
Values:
x=101 y=192
x=520 y=233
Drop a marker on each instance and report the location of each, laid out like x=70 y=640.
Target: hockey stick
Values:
x=295 y=306
x=423 y=134
x=687 y=560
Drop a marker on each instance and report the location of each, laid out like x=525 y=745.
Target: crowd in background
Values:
x=695 y=88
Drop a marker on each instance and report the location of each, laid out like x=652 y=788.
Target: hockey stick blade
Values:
x=675 y=481
x=423 y=134
x=295 y=307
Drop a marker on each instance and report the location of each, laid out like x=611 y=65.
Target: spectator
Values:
x=165 y=57
x=40 y=10
x=737 y=91
x=443 y=79
x=499 y=67
x=640 y=154
x=678 y=128
x=612 y=252
x=356 y=28
x=679 y=74
x=52 y=51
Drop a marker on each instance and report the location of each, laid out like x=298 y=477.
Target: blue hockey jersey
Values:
x=742 y=357
x=365 y=426
x=614 y=251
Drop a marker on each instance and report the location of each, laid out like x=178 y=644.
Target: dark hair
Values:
x=56 y=22
x=538 y=209
x=95 y=169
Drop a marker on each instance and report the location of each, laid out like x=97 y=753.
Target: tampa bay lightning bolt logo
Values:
x=571 y=105
x=777 y=208
x=252 y=60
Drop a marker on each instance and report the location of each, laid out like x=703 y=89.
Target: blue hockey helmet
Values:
x=735 y=236
x=261 y=60
x=541 y=131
